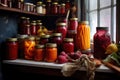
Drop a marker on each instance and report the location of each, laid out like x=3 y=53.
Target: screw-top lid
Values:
x=73 y=18
x=52 y=45
x=12 y=39
x=61 y=24
x=39 y=46
x=31 y=38
x=56 y=34
x=45 y=36
x=101 y=28
x=84 y=22
x=68 y=39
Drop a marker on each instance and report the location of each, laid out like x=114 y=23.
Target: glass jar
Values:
x=9 y=3
x=20 y=4
x=101 y=41
x=27 y=7
x=12 y=48
x=21 y=39
x=51 y=52
x=83 y=36
x=61 y=28
x=73 y=24
x=27 y=30
x=62 y=8
x=67 y=6
x=68 y=45
x=38 y=26
x=29 y=46
x=44 y=39
x=33 y=28
x=39 y=7
x=43 y=9
x=54 y=9
x=48 y=7
x=39 y=52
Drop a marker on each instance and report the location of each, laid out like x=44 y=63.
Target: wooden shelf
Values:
x=15 y=10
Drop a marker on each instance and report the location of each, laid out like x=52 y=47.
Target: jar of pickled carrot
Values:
x=29 y=45
x=39 y=52
x=68 y=45
x=51 y=52
x=12 y=48
x=83 y=36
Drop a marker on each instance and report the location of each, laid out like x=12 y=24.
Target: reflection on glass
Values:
x=114 y=33
x=105 y=18
x=93 y=4
x=104 y=3
x=93 y=23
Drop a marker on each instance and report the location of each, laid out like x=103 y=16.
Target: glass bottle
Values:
x=101 y=40
x=68 y=45
x=12 y=48
x=51 y=52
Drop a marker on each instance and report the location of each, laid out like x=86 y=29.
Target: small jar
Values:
x=29 y=46
x=73 y=24
x=27 y=7
x=27 y=30
x=33 y=28
x=51 y=52
x=38 y=26
x=12 y=48
x=44 y=39
x=61 y=28
x=20 y=4
x=43 y=9
x=39 y=7
x=62 y=8
x=39 y=52
x=54 y=9
x=68 y=45
x=101 y=41
x=48 y=7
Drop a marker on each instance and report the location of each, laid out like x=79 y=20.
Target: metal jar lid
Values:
x=61 y=24
x=68 y=39
x=51 y=45
x=56 y=34
x=45 y=36
x=74 y=19
x=38 y=46
x=12 y=39
x=31 y=38
x=84 y=22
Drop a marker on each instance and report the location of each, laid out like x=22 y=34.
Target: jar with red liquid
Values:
x=38 y=25
x=61 y=28
x=48 y=6
x=27 y=30
x=101 y=41
x=68 y=45
x=33 y=28
x=12 y=48
x=73 y=24
x=62 y=8
x=54 y=9
x=44 y=39
x=67 y=6
x=39 y=52
x=51 y=52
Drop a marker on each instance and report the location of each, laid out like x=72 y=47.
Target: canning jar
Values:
x=43 y=9
x=48 y=6
x=33 y=28
x=38 y=26
x=54 y=9
x=44 y=39
x=12 y=48
x=51 y=52
x=27 y=30
x=21 y=39
x=39 y=52
x=29 y=45
x=67 y=6
x=61 y=28
x=20 y=4
x=83 y=36
x=62 y=8
x=39 y=7
x=73 y=24
x=101 y=41
x=68 y=45
x=27 y=7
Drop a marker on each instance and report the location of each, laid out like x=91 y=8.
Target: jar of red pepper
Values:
x=73 y=23
x=12 y=48
x=61 y=28
x=101 y=41
x=51 y=52
x=39 y=52
x=68 y=45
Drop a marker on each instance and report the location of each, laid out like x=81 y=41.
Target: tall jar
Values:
x=83 y=36
x=54 y=9
x=73 y=24
x=61 y=28
x=29 y=46
x=62 y=8
x=27 y=30
x=12 y=48
x=39 y=52
x=51 y=52
x=39 y=7
x=101 y=41
x=48 y=6
x=33 y=28
x=68 y=45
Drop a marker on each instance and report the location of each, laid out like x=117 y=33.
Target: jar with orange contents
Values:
x=51 y=52
x=29 y=45
x=39 y=52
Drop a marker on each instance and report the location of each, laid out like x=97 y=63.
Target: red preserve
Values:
x=44 y=39
x=68 y=45
x=54 y=9
x=12 y=48
x=73 y=24
x=33 y=28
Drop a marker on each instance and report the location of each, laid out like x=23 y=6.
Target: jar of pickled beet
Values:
x=12 y=48
x=51 y=52
x=61 y=28
x=73 y=23
x=54 y=9
x=39 y=52
x=44 y=39
x=33 y=28
x=68 y=45
x=101 y=40
x=29 y=46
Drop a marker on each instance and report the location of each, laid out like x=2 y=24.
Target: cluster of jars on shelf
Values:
x=45 y=7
